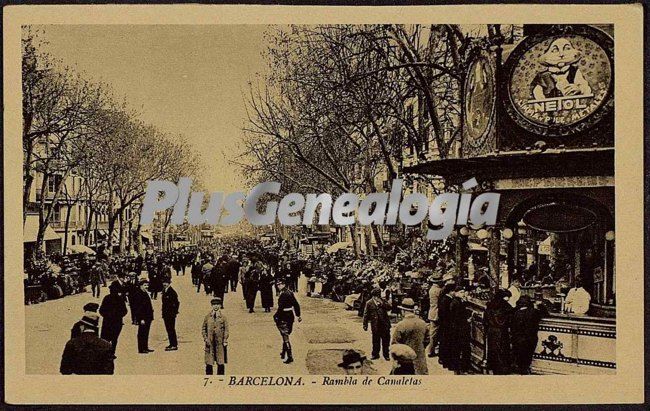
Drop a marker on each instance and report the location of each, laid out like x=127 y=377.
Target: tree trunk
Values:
x=355 y=243
x=67 y=226
x=120 y=245
x=89 y=224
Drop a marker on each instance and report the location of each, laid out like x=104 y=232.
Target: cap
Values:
x=402 y=353
x=91 y=307
x=216 y=300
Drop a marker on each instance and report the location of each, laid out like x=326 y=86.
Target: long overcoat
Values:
x=413 y=331
x=215 y=334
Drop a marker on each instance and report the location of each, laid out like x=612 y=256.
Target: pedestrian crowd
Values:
x=414 y=307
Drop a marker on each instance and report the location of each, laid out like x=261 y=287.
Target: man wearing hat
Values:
x=215 y=335
x=376 y=313
x=284 y=317
x=87 y=354
x=113 y=309
x=413 y=331
x=434 y=294
x=170 y=305
x=352 y=362
x=89 y=309
x=143 y=311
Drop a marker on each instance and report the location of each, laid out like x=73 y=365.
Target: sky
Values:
x=187 y=80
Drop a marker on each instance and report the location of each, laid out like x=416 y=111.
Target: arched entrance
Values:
x=559 y=240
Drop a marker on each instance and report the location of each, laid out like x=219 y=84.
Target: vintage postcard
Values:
x=323 y=205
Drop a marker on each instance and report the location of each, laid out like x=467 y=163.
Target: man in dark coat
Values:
x=460 y=332
x=89 y=309
x=121 y=286
x=196 y=271
x=266 y=289
x=113 y=309
x=524 y=327
x=252 y=280
x=497 y=323
x=232 y=269
x=219 y=281
x=87 y=354
x=445 y=325
x=170 y=306
x=376 y=313
x=143 y=311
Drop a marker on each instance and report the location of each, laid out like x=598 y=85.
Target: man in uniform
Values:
x=284 y=317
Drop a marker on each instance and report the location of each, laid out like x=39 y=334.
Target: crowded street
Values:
x=326 y=331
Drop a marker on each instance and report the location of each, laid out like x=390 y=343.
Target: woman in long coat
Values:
x=266 y=289
x=497 y=317
x=215 y=336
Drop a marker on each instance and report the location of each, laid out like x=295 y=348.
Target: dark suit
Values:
x=170 y=306
x=377 y=315
x=143 y=311
x=87 y=355
x=113 y=309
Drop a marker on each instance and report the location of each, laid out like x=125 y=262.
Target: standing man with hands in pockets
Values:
x=376 y=313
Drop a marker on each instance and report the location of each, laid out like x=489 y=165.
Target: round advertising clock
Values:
x=560 y=82
x=480 y=102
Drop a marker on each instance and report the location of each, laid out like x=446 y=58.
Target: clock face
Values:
x=480 y=101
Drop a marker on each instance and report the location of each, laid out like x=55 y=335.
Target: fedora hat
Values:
x=350 y=357
x=435 y=277
x=407 y=304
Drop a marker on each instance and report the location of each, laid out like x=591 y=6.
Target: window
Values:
x=53 y=182
x=56 y=214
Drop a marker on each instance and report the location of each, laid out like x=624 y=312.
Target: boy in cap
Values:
x=87 y=354
x=403 y=357
x=215 y=335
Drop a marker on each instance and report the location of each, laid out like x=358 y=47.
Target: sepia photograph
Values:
x=325 y=109
x=332 y=205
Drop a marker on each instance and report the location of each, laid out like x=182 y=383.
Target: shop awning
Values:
x=30 y=230
x=527 y=164
x=80 y=248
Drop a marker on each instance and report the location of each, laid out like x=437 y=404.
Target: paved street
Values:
x=254 y=345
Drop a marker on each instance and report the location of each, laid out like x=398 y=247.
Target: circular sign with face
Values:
x=480 y=97
x=560 y=83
